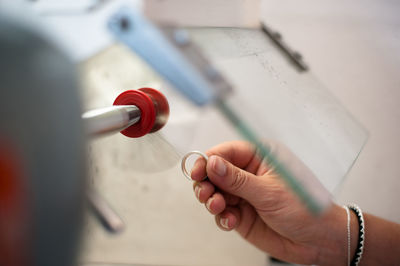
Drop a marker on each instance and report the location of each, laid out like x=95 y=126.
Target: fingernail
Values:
x=218 y=165
x=208 y=204
x=197 y=191
x=224 y=223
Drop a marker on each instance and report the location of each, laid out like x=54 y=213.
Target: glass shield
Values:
x=282 y=104
x=142 y=180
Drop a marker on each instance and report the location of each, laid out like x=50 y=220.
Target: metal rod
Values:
x=110 y=119
x=108 y=218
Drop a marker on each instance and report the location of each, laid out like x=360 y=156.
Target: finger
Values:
x=241 y=218
x=230 y=199
x=198 y=171
x=234 y=180
x=239 y=153
x=242 y=154
x=247 y=216
x=258 y=166
x=216 y=203
x=228 y=219
x=203 y=190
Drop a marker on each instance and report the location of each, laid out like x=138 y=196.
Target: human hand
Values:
x=245 y=194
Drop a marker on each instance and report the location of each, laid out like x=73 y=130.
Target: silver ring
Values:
x=184 y=159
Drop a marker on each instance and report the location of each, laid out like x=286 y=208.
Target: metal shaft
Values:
x=108 y=218
x=100 y=122
x=110 y=119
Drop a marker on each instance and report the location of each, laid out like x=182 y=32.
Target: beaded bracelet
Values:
x=348 y=234
x=361 y=235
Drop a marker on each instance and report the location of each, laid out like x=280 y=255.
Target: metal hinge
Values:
x=295 y=57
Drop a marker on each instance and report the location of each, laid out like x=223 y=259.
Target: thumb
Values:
x=234 y=180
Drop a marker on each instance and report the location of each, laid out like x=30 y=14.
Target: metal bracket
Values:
x=295 y=57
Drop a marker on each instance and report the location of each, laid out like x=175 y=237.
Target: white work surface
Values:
x=354 y=49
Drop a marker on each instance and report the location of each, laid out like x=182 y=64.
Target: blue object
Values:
x=131 y=28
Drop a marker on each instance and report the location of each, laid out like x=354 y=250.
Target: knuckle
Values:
x=239 y=180
x=275 y=197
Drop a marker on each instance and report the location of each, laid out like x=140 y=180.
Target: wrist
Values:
x=333 y=245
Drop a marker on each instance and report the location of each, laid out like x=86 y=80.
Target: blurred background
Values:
x=353 y=47
x=344 y=88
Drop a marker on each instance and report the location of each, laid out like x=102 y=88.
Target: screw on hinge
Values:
x=124 y=24
x=294 y=56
